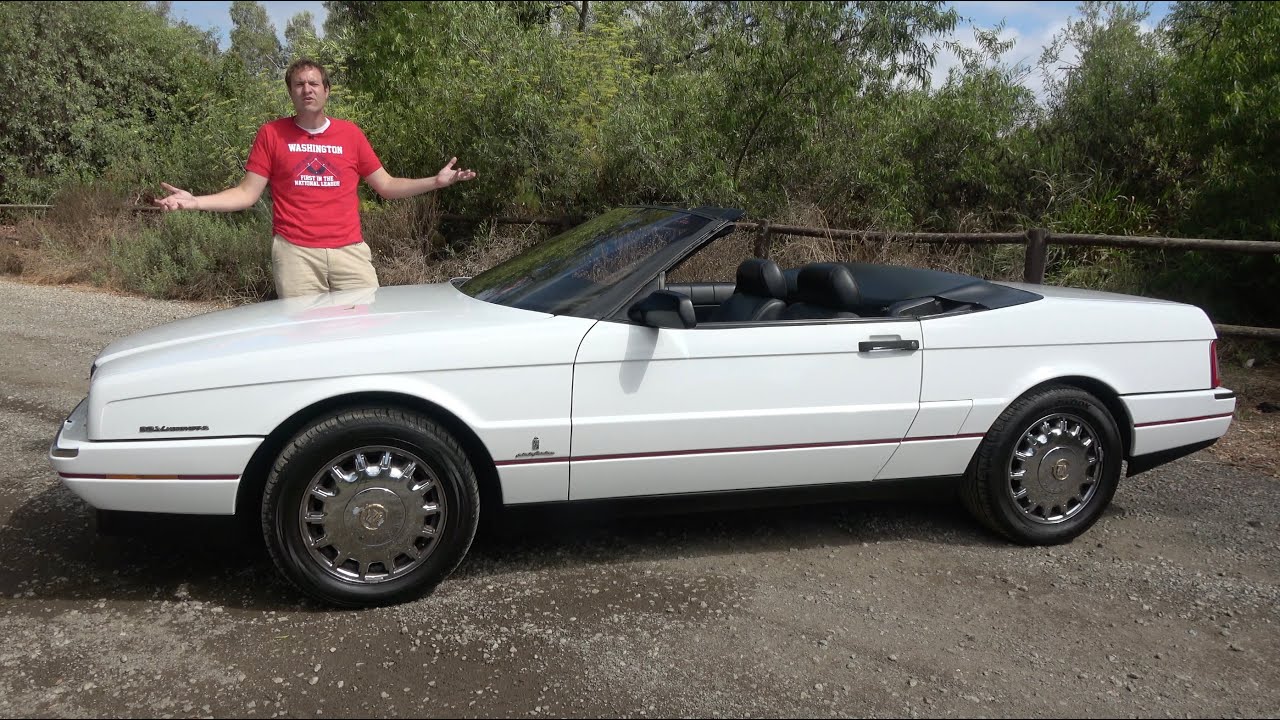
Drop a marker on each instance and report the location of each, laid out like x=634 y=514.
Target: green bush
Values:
x=807 y=112
x=188 y=255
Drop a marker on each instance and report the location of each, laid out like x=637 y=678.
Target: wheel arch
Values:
x=254 y=478
x=1108 y=395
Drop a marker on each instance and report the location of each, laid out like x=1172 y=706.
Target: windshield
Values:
x=569 y=271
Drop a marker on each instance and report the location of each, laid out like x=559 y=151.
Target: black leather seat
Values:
x=706 y=296
x=824 y=291
x=758 y=295
x=793 y=279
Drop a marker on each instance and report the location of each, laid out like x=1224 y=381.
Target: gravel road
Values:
x=1167 y=607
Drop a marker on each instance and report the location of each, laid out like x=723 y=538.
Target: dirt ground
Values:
x=1168 y=607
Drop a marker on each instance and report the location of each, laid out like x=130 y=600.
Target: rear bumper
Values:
x=198 y=477
x=1167 y=426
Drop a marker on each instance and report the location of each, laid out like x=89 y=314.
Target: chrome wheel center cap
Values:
x=372 y=516
x=1061 y=470
x=1056 y=469
x=375 y=517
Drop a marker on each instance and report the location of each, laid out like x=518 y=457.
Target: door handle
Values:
x=884 y=345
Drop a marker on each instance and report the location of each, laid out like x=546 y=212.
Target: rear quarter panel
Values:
x=1132 y=345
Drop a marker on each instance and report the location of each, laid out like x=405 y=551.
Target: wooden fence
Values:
x=1036 y=241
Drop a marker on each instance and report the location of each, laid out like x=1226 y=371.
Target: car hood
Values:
x=422 y=328
x=330 y=316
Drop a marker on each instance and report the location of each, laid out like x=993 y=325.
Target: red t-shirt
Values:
x=313 y=179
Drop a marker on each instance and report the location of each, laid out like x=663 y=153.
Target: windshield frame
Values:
x=644 y=273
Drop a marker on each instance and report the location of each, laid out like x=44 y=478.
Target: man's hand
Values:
x=448 y=175
x=395 y=188
x=177 y=200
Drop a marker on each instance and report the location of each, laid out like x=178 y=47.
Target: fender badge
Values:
x=174 y=428
x=533 y=450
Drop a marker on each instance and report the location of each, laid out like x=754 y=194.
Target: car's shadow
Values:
x=54 y=549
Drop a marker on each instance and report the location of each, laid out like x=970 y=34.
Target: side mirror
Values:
x=664 y=309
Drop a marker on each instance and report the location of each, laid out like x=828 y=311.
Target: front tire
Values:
x=1047 y=468
x=370 y=506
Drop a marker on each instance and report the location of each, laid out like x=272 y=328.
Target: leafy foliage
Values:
x=191 y=255
x=809 y=111
x=253 y=39
x=85 y=87
x=1226 y=93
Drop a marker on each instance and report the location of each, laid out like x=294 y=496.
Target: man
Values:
x=313 y=163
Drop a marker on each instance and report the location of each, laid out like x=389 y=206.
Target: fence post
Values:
x=1037 y=255
x=763 y=240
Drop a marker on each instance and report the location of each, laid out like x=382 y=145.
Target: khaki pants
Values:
x=306 y=271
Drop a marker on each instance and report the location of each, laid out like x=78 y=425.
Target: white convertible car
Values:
x=363 y=429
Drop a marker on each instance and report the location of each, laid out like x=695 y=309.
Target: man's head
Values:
x=308 y=85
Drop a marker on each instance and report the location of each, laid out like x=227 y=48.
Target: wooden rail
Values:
x=1036 y=241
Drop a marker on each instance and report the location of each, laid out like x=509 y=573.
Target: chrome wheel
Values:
x=372 y=515
x=1055 y=468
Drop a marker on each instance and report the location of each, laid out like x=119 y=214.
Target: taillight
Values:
x=1213 y=364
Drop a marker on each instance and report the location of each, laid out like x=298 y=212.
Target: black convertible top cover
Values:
x=883 y=285
x=886 y=284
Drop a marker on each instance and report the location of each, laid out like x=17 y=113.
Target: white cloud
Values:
x=282 y=12
x=1025 y=53
x=1032 y=25
x=1034 y=47
x=947 y=58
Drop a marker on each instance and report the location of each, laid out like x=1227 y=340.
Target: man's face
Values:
x=307 y=91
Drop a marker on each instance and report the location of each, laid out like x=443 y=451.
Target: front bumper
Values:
x=198 y=477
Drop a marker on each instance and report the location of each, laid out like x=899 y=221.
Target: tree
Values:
x=1106 y=157
x=87 y=87
x=253 y=39
x=300 y=35
x=1227 y=98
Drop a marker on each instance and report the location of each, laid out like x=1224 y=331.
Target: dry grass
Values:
x=58 y=253
x=403 y=237
x=71 y=242
x=409 y=249
x=1253 y=441
x=484 y=254
x=11 y=255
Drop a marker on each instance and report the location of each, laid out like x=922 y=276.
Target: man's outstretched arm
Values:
x=230 y=200
x=394 y=188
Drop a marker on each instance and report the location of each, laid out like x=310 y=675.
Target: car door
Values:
x=731 y=407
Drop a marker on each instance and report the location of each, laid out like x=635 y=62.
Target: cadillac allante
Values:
x=362 y=430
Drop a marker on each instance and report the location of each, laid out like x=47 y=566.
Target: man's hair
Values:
x=303 y=64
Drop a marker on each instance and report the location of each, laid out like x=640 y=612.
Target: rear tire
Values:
x=370 y=506
x=1047 y=468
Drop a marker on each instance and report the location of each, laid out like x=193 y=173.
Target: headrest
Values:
x=793 y=279
x=830 y=285
x=758 y=276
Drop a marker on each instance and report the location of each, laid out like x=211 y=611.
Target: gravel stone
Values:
x=758 y=612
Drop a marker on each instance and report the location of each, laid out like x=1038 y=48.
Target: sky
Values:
x=1030 y=24
x=216 y=15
